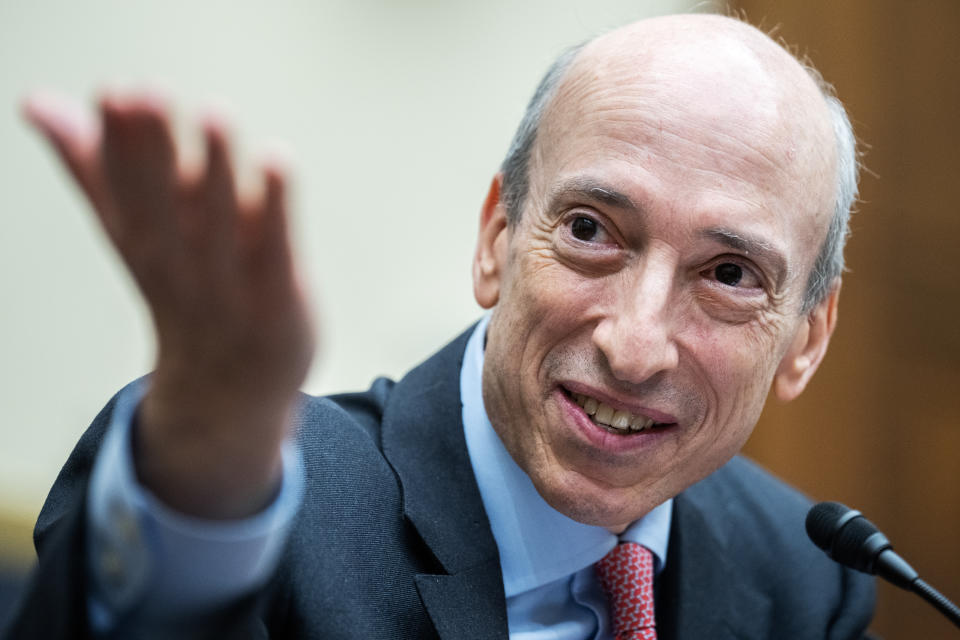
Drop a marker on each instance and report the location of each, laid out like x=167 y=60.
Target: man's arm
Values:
x=233 y=335
x=115 y=562
x=148 y=565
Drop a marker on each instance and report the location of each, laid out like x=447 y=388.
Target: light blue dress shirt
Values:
x=145 y=558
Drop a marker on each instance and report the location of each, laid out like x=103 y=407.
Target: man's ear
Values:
x=808 y=348
x=491 y=255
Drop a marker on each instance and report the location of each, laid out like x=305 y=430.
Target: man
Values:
x=662 y=246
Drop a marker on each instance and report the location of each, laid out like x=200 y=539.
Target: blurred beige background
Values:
x=398 y=112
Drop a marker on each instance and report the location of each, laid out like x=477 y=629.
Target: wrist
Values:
x=209 y=460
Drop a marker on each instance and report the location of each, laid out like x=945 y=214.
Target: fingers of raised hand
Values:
x=265 y=234
x=176 y=229
x=215 y=267
x=215 y=195
x=73 y=132
x=138 y=164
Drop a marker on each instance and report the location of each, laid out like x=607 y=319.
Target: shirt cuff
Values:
x=146 y=560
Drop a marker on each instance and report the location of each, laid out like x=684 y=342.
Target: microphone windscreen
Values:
x=849 y=545
x=823 y=522
x=855 y=542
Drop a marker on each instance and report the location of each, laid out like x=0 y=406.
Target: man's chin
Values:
x=585 y=501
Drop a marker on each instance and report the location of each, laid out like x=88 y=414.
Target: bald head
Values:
x=710 y=68
x=687 y=75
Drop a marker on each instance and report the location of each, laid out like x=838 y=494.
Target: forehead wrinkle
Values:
x=621 y=122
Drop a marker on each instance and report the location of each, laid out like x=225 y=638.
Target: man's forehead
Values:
x=722 y=93
x=682 y=56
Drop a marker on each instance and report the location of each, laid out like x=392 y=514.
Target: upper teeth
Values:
x=606 y=415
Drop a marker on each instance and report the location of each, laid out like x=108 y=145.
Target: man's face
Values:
x=654 y=280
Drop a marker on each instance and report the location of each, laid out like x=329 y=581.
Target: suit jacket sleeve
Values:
x=56 y=599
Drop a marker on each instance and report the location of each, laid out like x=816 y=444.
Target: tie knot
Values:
x=626 y=576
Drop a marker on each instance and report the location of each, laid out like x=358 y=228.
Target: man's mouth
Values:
x=612 y=419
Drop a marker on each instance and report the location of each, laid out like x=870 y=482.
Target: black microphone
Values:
x=854 y=541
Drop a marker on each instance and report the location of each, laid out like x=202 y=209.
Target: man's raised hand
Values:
x=233 y=334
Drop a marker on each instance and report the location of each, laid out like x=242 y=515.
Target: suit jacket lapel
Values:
x=423 y=441
x=701 y=593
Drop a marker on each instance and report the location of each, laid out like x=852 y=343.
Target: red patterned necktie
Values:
x=626 y=575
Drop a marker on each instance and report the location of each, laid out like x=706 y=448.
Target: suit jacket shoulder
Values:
x=738 y=541
x=393 y=513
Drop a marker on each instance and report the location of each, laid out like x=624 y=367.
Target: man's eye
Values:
x=584 y=228
x=728 y=273
x=734 y=275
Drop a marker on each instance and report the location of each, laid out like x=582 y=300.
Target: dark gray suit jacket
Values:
x=393 y=542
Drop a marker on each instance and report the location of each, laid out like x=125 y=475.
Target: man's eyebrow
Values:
x=753 y=247
x=591 y=189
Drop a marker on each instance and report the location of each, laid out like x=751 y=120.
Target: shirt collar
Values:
x=537 y=543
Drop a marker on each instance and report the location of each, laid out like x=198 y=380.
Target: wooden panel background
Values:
x=878 y=427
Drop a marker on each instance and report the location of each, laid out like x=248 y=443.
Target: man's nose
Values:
x=636 y=334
